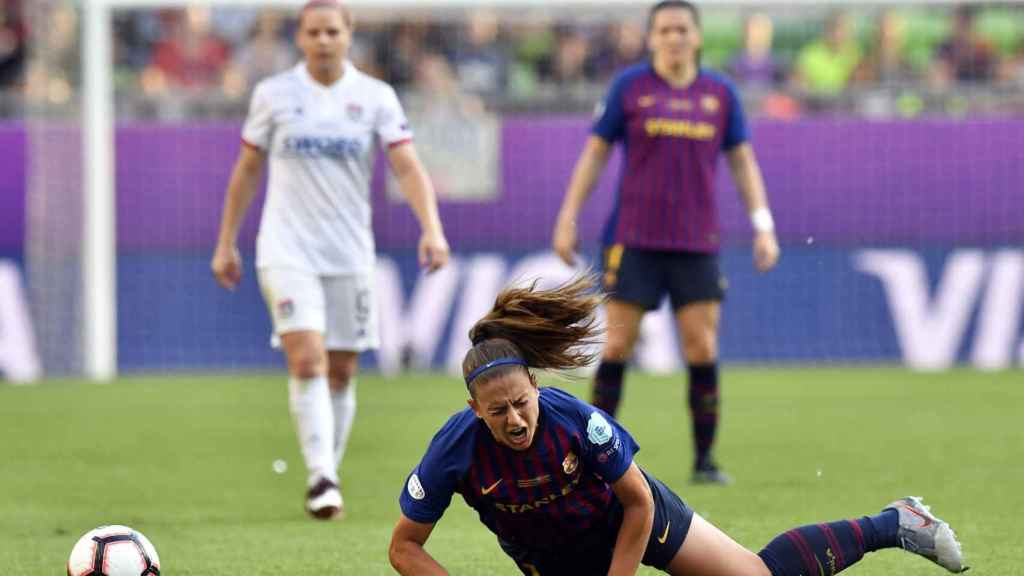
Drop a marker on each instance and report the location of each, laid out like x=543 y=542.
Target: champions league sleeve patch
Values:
x=599 y=431
x=415 y=488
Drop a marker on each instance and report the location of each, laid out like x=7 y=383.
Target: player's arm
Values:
x=637 y=515
x=245 y=178
x=416 y=187
x=747 y=174
x=406 y=552
x=588 y=168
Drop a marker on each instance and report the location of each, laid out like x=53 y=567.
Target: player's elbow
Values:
x=399 y=554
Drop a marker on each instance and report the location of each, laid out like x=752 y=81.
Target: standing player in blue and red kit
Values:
x=554 y=478
x=674 y=119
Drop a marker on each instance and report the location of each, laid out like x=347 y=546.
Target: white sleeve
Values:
x=391 y=124
x=259 y=127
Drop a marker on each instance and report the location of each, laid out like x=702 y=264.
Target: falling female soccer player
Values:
x=554 y=477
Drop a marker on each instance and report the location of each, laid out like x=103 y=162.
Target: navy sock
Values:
x=830 y=548
x=608 y=386
x=703 y=401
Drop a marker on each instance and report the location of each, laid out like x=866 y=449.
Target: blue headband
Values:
x=494 y=364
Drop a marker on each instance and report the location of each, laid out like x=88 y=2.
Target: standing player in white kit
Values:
x=320 y=123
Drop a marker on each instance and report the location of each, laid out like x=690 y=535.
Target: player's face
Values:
x=674 y=38
x=508 y=405
x=323 y=36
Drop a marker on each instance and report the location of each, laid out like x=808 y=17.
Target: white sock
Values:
x=310 y=403
x=344 y=404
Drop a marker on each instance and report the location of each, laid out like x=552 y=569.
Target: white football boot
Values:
x=926 y=535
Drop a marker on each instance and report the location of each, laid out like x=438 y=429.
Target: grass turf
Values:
x=187 y=460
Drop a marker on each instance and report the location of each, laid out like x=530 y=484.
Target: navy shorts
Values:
x=672 y=519
x=644 y=277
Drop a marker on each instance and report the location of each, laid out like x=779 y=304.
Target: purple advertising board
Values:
x=843 y=182
x=902 y=241
x=12 y=188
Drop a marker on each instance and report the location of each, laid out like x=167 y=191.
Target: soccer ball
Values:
x=113 y=551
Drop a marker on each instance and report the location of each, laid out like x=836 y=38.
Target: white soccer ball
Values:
x=113 y=551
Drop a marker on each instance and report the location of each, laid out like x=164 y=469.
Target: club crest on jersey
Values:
x=570 y=464
x=709 y=104
x=354 y=111
x=646 y=101
x=285 y=308
x=415 y=488
x=599 y=431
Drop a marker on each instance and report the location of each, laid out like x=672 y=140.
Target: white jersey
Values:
x=321 y=141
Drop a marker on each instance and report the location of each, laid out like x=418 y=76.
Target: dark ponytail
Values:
x=527 y=327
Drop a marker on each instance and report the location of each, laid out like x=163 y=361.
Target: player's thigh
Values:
x=295 y=301
x=698 y=328
x=707 y=551
x=352 y=317
x=623 y=328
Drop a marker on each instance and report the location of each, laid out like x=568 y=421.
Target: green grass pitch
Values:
x=187 y=460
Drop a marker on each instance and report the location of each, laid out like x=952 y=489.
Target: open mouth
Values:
x=518 y=435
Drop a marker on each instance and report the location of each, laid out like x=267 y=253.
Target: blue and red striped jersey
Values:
x=550 y=496
x=672 y=139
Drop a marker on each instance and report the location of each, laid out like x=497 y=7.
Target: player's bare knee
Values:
x=617 y=351
x=340 y=381
x=704 y=352
x=700 y=346
x=341 y=370
x=306 y=364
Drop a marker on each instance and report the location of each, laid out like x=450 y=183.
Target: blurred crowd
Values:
x=788 y=62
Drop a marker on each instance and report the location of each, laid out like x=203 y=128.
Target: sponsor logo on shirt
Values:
x=542 y=501
x=415 y=488
x=321 y=146
x=679 y=128
x=599 y=431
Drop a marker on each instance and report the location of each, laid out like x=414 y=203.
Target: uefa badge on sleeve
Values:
x=415 y=488
x=599 y=431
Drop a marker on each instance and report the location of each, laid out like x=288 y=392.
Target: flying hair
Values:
x=545 y=329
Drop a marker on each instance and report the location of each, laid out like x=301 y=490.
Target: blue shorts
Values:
x=644 y=277
x=672 y=519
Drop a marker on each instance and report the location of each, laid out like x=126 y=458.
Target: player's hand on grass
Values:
x=566 y=240
x=766 y=251
x=227 y=266
x=433 y=251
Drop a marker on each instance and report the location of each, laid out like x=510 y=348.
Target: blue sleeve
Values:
x=607 y=448
x=736 y=123
x=428 y=489
x=611 y=115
